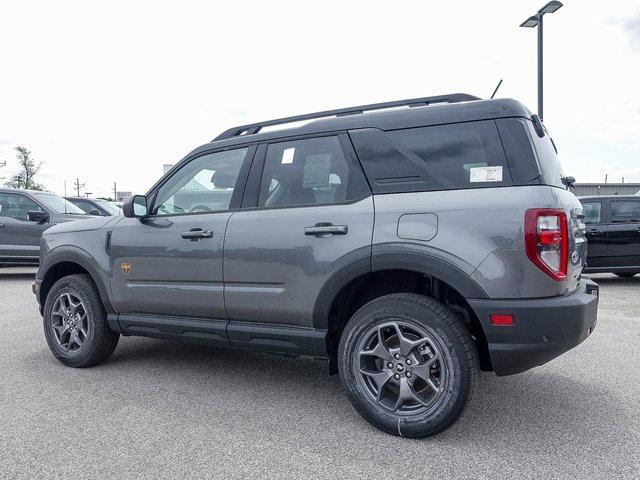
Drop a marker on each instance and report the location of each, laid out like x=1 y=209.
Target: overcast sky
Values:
x=111 y=91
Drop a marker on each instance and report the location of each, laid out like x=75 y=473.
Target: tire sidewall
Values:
x=94 y=315
x=460 y=372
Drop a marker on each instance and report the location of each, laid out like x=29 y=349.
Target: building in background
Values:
x=583 y=189
x=122 y=196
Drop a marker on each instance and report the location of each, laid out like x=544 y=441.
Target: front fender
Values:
x=73 y=254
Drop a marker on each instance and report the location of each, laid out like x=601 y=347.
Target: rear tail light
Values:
x=547 y=241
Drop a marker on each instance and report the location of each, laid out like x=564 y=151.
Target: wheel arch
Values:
x=69 y=262
x=394 y=272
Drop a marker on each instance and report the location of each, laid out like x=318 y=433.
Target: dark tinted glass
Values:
x=625 y=212
x=464 y=155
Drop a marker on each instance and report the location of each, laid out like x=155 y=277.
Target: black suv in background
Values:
x=24 y=215
x=95 y=206
x=613 y=233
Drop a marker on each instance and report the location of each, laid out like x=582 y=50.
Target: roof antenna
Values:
x=496 y=90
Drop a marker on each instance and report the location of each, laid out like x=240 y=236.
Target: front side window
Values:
x=205 y=184
x=625 y=212
x=592 y=215
x=312 y=171
x=17 y=206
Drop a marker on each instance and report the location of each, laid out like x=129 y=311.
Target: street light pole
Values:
x=536 y=21
x=540 y=63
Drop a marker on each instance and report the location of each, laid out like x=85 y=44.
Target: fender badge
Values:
x=126 y=268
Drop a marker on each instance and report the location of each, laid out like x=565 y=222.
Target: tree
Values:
x=28 y=170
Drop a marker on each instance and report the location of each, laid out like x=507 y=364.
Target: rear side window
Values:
x=312 y=171
x=445 y=157
x=625 y=212
x=592 y=213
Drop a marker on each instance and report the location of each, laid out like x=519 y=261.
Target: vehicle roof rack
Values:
x=254 y=128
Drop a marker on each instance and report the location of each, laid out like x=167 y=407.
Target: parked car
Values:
x=613 y=233
x=24 y=215
x=408 y=246
x=95 y=206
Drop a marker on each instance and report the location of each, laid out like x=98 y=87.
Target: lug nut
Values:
x=390 y=365
x=396 y=356
x=408 y=374
x=408 y=361
x=396 y=376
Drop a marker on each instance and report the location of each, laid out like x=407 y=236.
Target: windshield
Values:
x=58 y=204
x=110 y=207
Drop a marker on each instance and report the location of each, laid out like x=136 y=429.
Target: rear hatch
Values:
x=551 y=175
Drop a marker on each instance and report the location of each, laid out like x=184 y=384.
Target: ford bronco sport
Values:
x=410 y=243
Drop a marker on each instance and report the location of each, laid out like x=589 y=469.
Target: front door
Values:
x=19 y=236
x=170 y=263
x=624 y=233
x=308 y=214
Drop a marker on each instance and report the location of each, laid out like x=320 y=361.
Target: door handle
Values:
x=326 y=229
x=1 y=225
x=197 y=234
x=594 y=231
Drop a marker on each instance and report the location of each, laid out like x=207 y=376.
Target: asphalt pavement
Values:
x=160 y=410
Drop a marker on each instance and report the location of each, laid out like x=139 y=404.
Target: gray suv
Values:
x=24 y=215
x=410 y=243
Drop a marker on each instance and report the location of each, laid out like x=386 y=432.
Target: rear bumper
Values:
x=543 y=328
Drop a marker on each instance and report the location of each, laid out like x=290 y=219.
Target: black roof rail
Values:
x=253 y=128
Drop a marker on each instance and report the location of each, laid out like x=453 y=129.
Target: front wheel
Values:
x=75 y=323
x=408 y=364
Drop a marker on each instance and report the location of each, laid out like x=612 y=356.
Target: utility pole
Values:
x=115 y=192
x=78 y=186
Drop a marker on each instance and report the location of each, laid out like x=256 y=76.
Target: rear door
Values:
x=307 y=213
x=19 y=236
x=624 y=233
x=596 y=231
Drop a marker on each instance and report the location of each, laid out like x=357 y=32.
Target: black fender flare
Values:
x=80 y=257
x=432 y=263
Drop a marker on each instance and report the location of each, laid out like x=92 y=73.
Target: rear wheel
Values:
x=407 y=364
x=625 y=274
x=75 y=323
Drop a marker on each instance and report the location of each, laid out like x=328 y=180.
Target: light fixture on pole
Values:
x=536 y=21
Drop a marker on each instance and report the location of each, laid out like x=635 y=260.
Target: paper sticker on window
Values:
x=485 y=174
x=287 y=155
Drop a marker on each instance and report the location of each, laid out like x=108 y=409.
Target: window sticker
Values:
x=469 y=166
x=485 y=174
x=287 y=155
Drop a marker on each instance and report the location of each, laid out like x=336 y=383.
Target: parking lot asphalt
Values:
x=158 y=409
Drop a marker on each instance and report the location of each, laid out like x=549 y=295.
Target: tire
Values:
x=442 y=364
x=625 y=274
x=79 y=295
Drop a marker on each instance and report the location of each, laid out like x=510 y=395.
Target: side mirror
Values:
x=38 y=216
x=95 y=211
x=135 y=207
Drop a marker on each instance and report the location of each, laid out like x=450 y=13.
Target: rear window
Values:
x=456 y=156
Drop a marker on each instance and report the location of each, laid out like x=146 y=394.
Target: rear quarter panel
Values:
x=479 y=231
